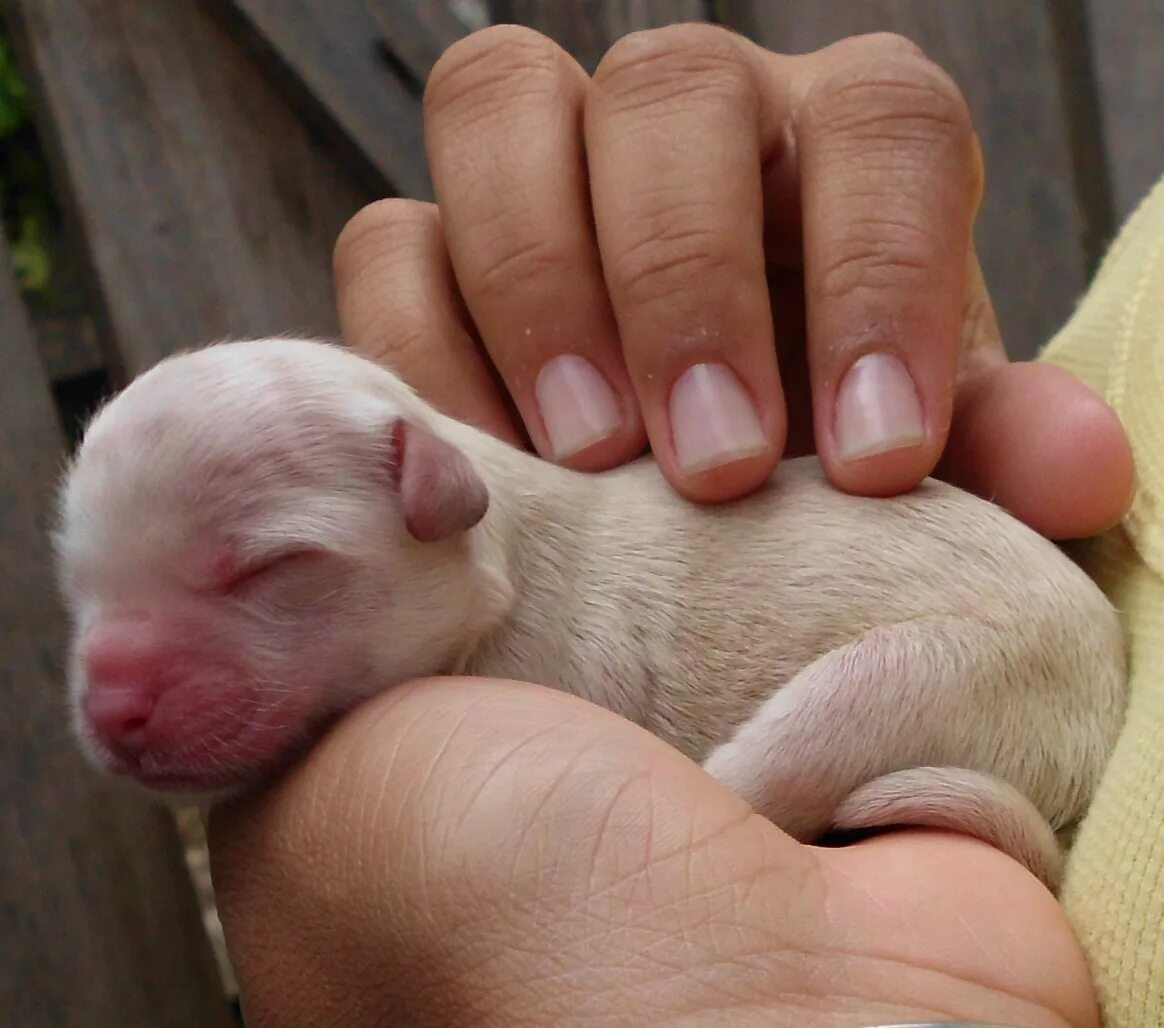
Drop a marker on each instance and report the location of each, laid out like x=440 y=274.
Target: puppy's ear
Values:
x=440 y=492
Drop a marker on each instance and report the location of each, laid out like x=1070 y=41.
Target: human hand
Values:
x=485 y=853
x=776 y=221
x=475 y=852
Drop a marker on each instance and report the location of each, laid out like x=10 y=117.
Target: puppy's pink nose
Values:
x=119 y=717
x=122 y=667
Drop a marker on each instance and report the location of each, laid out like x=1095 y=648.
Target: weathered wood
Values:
x=1128 y=41
x=330 y=55
x=1031 y=231
x=326 y=52
x=417 y=34
x=98 y=924
x=586 y=28
x=206 y=208
x=1082 y=123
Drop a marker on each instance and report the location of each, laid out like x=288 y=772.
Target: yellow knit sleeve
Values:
x=1114 y=888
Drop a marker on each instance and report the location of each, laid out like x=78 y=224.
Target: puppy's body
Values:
x=838 y=661
x=805 y=644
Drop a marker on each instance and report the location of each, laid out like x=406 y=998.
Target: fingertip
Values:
x=588 y=416
x=1082 y=475
x=881 y=475
x=725 y=482
x=1044 y=446
x=715 y=438
x=916 y=866
x=605 y=454
x=878 y=437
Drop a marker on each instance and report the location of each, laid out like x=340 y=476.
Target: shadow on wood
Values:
x=330 y=56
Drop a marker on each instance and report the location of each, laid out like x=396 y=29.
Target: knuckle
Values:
x=518 y=261
x=877 y=254
x=655 y=66
x=487 y=69
x=376 y=231
x=880 y=45
x=393 y=326
x=901 y=98
x=396 y=343
x=659 y=265
x=980 y=336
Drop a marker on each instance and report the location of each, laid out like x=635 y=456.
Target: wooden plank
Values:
x=325 y=50
x=1079 y=101
x=586 y=28
x=330 y=55
x=98 y=924
x=417 y=34
x=1032 y=232
x=206 y=208
x=1128 y=51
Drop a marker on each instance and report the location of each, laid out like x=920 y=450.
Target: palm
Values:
x=481 y=852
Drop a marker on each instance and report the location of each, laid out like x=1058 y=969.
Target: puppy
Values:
x=256 y=536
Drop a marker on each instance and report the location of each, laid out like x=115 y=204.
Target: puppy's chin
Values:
x=184 y=783
x=185 y=788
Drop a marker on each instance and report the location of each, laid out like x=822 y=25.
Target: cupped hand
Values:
x=730 y=255
x=473 y=852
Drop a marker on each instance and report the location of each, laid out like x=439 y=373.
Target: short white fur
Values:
x=840 y=662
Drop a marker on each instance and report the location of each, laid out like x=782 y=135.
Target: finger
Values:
x=980 y=348
x=890 y=182
x=1006 y=945
x=784 y=81
x=1040 y=443
x=471 y=851
x=1032 y=437
x=675 y=130
x=503 y=110
x=398 y=304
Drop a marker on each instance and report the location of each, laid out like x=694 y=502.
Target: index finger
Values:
x=399 y=305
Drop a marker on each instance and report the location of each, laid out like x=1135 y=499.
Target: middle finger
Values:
x=674 y=130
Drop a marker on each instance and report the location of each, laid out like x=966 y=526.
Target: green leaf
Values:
x=13 y=95
x=30 y=256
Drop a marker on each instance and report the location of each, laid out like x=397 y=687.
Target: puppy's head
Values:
x=253 y=537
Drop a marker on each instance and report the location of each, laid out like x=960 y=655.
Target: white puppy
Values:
x=257 y=535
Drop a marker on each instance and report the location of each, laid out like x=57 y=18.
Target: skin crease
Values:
x=548 y=863
x=494 y=853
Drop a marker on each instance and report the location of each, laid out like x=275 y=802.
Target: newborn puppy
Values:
x=256 y=536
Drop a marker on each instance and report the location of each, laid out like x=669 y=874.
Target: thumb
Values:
x=1032 y=437
x=478 y=852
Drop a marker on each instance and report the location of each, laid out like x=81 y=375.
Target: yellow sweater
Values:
x=1114 y=889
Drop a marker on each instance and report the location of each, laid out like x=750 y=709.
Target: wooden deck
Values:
x=208 y=153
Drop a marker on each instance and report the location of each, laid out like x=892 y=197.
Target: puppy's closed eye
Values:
x=272 y=574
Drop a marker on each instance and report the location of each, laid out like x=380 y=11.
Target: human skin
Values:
x=474 y=852
x=482 y=852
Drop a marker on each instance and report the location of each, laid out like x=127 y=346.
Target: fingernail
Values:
x=878 y=409
x=577 y=405
x=713 y=421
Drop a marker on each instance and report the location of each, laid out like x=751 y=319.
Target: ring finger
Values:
x=677 y=132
